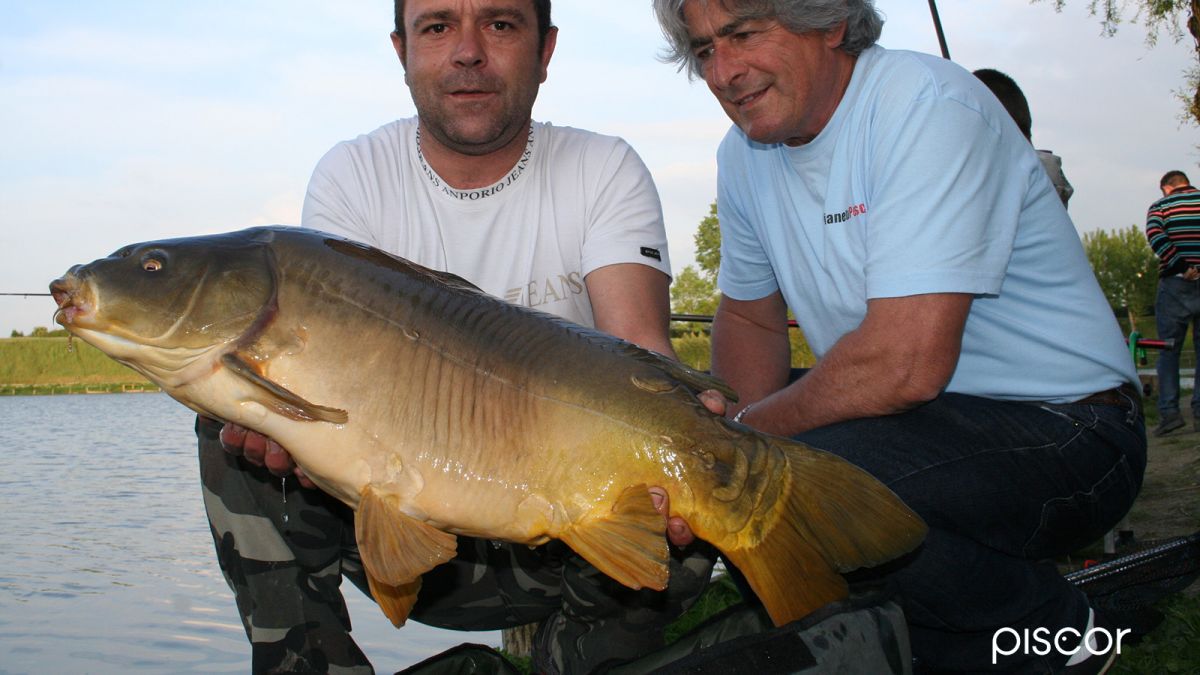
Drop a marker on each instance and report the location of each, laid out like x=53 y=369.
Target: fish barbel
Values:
x=436 y=410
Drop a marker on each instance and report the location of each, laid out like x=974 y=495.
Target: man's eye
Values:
x=435 y=28
x=501 y=26
x=703 y=53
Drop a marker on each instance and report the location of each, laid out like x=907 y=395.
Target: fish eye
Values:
x=153 y=261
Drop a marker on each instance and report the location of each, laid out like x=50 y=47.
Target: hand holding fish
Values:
x=262 y=451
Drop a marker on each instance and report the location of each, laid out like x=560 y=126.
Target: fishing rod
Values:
x=937 y=26
x=27 y=295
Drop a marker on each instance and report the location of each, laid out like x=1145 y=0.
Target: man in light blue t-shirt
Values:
x=966 y=355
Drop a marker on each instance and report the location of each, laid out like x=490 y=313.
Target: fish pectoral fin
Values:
x=629 y=544
x=397 y=549
x=395 y=601
x=281 y=400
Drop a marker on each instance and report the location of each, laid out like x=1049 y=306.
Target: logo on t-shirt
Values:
x=850 y=212
x=546 y=291
x=651 y=253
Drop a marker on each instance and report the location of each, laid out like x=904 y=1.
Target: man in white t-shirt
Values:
x=966 y=355
x=563 y=220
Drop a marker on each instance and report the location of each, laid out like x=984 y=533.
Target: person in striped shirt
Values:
x=1173 y=230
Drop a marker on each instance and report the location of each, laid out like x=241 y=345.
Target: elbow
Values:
x=922 y=384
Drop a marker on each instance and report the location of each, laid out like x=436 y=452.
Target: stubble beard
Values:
x=475 y=129
x=467 y=136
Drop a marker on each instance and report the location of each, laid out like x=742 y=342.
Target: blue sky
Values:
x=130 y=120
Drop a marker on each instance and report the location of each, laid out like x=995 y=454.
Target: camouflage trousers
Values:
x=284 y=550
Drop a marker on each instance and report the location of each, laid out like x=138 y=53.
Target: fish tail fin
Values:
x=831 y=517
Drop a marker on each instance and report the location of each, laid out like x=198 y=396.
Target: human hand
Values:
x=1192 y=274
x=714 y=401
x=262 y=451
x=678 y=531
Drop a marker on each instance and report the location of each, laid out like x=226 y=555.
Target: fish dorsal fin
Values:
x=629 y=544
x=279 y=399
x=396 y=550
x=698 y=381
x=695 y=380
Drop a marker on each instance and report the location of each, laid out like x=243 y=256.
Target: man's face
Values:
x=776 y=86
x=473 y=68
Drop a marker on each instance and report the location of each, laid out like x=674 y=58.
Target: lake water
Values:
x=106 y=562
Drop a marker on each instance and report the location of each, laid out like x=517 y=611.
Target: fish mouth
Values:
x=73 y=306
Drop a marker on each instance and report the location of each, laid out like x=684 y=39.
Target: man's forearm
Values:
x=851 y=382
x=902 y=355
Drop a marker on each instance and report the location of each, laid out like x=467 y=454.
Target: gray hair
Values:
x=863 y=23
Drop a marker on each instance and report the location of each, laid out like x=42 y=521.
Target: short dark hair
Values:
x=1011 y=97
x=1175 y=177
x=541 y=7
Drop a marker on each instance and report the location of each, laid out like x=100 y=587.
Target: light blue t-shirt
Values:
x=922 y=183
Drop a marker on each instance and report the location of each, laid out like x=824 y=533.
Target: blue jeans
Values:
x=1176 y=306
x=1004 y=487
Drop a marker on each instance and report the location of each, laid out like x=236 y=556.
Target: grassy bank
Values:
x=52 y=365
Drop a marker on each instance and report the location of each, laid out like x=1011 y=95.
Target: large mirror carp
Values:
x=436 y=410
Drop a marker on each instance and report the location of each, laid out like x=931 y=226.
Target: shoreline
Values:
x=64 y=389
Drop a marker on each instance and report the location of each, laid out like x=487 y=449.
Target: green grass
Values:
x=1173 y=647
x=56 y=365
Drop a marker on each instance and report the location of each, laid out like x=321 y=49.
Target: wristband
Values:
x=742 y=413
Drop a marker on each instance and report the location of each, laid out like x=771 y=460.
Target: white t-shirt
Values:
x=575 y=201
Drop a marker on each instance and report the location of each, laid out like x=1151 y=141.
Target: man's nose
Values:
x=724 y=66
x=469 y=51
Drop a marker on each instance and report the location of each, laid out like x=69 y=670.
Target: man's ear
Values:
x=834 y=37
x=398 y=45
x=548 y=51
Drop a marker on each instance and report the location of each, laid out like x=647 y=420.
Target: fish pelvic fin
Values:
x=280 y=399
x=832 y=518
x=396 y=550
x=629 y=544
x=395 y=601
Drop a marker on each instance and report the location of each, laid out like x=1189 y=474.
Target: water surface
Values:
x=106 y=562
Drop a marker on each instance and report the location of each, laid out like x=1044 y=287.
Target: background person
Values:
x=966 y=355
x=550 y=217
x=1172 y=224
x=1013 y=100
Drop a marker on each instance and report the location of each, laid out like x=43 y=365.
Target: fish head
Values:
x=161 y=307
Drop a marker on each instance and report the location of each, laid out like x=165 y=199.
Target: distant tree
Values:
x=708 y=244
x=1171 y=16
x=40 y=331
x=1126 y=268
x=17 y=333
x=692 y=293
x=695 y=292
